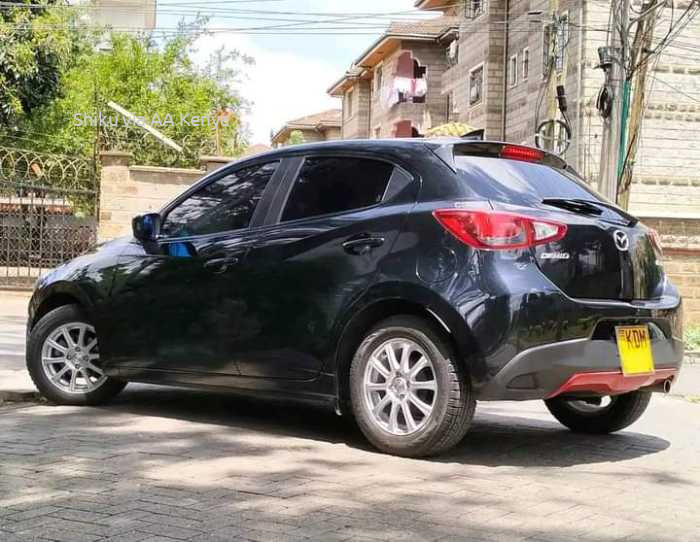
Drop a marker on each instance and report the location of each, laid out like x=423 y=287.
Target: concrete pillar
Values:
x=114 y=179
x=212 y=163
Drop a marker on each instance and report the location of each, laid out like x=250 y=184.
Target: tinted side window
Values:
x=223 y=205
x=336 y=184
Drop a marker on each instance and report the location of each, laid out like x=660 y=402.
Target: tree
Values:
x=296 y=138
x=156 y=81
x=36 y=44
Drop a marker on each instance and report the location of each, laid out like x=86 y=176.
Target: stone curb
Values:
x=11 y=396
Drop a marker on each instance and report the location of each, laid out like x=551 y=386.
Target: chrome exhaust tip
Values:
x=667 y=385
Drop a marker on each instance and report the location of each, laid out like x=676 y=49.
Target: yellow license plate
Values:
x=634 y=345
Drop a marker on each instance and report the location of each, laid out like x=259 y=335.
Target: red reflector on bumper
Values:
x=611 y=382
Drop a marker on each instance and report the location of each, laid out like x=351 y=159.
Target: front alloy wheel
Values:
x=63 y=359
x=70 y=358
x=409 y=395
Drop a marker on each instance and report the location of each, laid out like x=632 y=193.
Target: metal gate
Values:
x=48 y=212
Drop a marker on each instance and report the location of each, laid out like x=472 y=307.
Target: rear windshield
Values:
x=519 y=183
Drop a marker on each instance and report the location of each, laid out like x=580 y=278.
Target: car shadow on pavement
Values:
x=207 y=466
x=501 y=434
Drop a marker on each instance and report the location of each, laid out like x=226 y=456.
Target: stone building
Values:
x=394 y=88
x=317 y=127
x=124 y=15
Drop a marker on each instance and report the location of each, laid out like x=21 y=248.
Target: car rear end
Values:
x=563 y=294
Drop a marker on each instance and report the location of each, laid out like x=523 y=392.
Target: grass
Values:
x=691 y=337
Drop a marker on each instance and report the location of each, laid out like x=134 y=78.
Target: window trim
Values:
x=282 y=196
x=256 y=221
x=349 y=106
x=526 y=54
x=513 y=71
x=376 y=86
x=482 y=10
x=481 y=66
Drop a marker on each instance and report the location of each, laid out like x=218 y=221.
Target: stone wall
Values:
x=126 y=190
x=680 y=238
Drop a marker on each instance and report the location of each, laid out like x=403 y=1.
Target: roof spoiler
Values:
x=474 y=135
x=479 y=147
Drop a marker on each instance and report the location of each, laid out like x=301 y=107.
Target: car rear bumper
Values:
x=578 y=367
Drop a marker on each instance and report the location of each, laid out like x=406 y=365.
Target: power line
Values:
x=676 y=89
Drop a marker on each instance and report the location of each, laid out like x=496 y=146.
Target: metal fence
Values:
x=48 y=212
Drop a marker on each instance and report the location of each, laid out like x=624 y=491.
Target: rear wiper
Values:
x=590 y=206
x=576 y=205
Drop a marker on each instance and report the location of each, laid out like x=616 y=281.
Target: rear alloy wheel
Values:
x=63 y=359
x=400 y=387
x=599 y=414
x=408 y=396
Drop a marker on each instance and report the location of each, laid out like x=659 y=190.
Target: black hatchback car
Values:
x=397 y=281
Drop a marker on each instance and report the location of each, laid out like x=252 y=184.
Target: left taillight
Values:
x=495 y=230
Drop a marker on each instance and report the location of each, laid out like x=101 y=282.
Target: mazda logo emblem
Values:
x=622 y=241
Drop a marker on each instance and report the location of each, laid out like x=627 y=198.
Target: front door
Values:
x=178 y=303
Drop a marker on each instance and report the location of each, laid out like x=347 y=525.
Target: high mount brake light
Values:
x=494 y=230
x=525 y=154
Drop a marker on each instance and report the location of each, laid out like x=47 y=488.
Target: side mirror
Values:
x=146 y=227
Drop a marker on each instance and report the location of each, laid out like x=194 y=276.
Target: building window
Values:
x=513 y=71
x=452 y=108
x=526 y=63
x=474 y=8
x=410 y=83
x=348 y=103
x=378 y=79
x=453 y=53
x=476 y=85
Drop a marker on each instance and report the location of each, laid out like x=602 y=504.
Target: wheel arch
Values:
x=57 y=295
x=374 y=308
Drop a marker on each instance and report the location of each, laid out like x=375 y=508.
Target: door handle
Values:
x=221 y=265
x=361 y=245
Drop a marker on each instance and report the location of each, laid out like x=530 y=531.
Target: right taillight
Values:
x=495 y=230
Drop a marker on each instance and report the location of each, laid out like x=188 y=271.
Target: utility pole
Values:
x=643 y=42
x=554 y=79
x=613 y=133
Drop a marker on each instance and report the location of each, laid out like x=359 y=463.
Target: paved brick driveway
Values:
x=180 y=465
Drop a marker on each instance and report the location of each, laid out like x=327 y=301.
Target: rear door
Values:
x=334 y=223
x=604 y=254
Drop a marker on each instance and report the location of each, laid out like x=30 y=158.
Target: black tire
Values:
x=453 y=403
x=41 y=331
x=622 y=412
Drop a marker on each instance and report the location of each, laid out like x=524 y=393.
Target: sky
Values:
x=291 y=72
